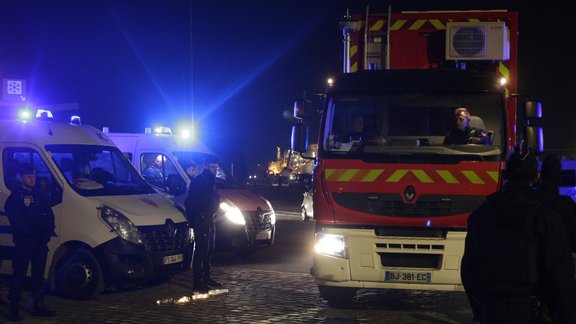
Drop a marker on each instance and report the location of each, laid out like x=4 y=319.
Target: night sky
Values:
x=234 y=66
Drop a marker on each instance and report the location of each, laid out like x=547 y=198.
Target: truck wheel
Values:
x=338 y=297
x=79 y=275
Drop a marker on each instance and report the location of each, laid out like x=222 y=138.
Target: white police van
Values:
x=245 y=221
x=113 y=228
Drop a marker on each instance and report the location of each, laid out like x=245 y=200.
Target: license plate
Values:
x=169 y=259
x=408 y=276
x=263 y=236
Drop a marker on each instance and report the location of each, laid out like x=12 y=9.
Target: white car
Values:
x=307 y=210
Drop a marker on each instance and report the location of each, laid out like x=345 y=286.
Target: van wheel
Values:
x=79 y=275
x=337 y=297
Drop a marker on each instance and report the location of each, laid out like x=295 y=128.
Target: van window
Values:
x=159 y=170
x=14 y=157
x=224 y=179
x=94 y=170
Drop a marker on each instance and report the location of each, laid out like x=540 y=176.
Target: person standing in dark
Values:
x=548 y=187
x=463 y=133
x=516 y=253
x=33 y=226
x=202 y=203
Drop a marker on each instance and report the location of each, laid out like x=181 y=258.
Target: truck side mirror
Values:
x=533 y=132
x=299 y=140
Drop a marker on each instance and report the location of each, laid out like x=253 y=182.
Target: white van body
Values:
x=112 y=227
x=245 y=221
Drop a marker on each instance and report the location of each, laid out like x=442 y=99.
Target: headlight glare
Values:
x=330 y=244
x=232 y=213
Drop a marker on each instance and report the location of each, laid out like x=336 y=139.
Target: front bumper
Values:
x=166 y=251
x=258 y=232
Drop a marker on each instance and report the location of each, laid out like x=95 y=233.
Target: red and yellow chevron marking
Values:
x=417 y=24
x=423 y=176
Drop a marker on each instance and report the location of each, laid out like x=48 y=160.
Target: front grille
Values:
x=410 y=232
x=411 y=260
x=165 y=238
x=393 y=205
x=258 y=221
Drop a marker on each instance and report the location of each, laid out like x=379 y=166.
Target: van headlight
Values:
x=330 y=244
x=232 y=213
x=121 y=225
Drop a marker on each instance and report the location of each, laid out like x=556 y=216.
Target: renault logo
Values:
x=409 y=193
x=171 y=228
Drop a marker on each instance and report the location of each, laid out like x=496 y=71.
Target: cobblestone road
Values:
x=254 y=296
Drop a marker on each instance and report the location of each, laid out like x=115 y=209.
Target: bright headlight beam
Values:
x=330 y=244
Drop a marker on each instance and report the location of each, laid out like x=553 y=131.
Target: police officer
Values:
x=551 y=174
x=516 y=253
x=32 y=227
x=202 y=203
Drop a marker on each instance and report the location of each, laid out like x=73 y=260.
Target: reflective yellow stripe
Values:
x=348 y=174
x=503 y=69
x=353 y=50
x=473 y=177
x=372 y=175
x=398 y=24
x=494 y=175
x=329 y=173
x=422 y=176
x=417 y=24
x=377 y=25
x=397 y=175
x=447 y=176
x=437 y=24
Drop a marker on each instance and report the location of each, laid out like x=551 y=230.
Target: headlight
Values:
x=232 y=213
x=330 y=244
x=121 y=225
x=273 y=214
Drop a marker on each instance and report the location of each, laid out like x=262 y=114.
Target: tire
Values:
x=338 y=297
x=79 y=275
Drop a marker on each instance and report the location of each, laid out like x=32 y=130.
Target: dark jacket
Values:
x=30 y=219
x=202 y=201
x=516 y=250
x=563 y=205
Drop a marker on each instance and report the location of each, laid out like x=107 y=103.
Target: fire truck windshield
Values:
x=413 y=125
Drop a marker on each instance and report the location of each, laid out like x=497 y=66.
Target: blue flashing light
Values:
x=44 y=114
x=24 y=115
x=75 y=120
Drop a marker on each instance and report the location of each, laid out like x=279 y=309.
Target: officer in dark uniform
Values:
x=463 y=133
x=516 y=253
x=201 y=204
x=32 y=227
x=551 y=174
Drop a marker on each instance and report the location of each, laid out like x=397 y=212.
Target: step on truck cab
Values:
x=245 y=221
x=113 y=228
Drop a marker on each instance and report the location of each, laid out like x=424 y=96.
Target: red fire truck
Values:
x=391 y=199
